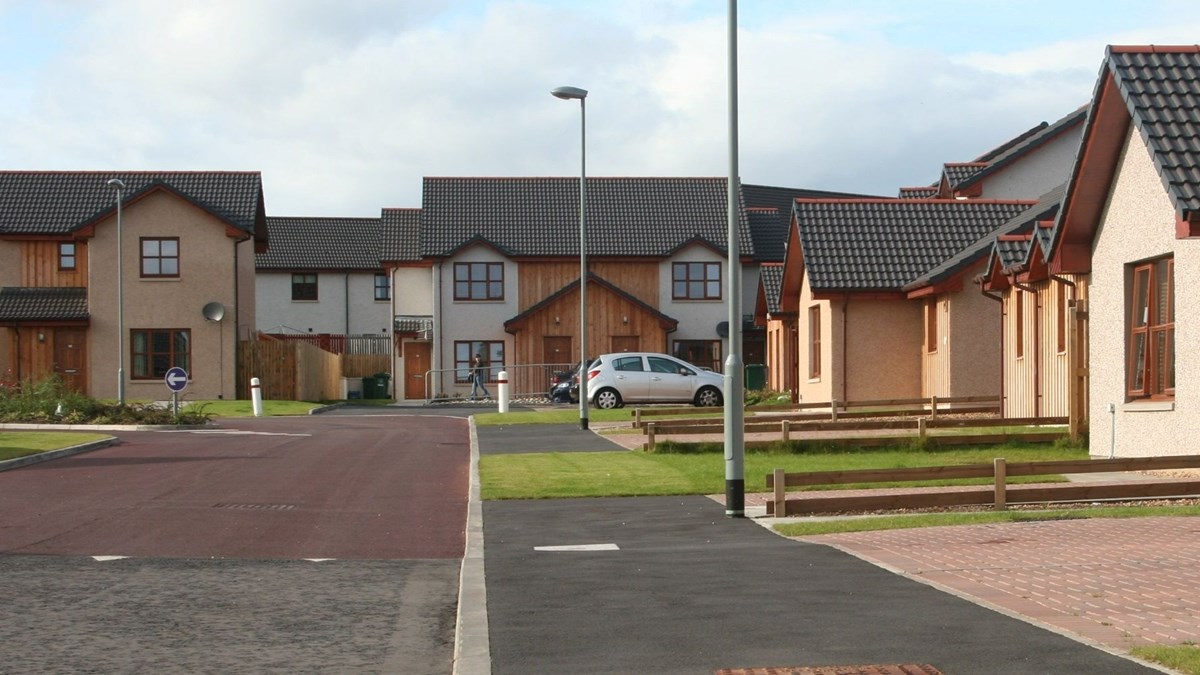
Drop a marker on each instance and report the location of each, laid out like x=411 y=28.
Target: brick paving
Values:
x=1116 y=582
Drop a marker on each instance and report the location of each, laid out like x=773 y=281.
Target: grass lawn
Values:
x=1184 y=658
x=245 y=408
x=622 y=474
x=15 y=444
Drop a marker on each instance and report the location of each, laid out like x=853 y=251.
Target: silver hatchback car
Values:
x=616 y=379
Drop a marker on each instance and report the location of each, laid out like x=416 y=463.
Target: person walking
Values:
x=479 y=371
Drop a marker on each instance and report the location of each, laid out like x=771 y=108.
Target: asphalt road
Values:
x=670 y=585
x=307 y=544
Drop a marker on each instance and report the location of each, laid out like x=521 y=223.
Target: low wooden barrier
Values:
x=999 y=495
x=931 y=406
x=787 y=426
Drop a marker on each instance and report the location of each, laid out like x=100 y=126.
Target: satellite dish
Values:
x=214 y=311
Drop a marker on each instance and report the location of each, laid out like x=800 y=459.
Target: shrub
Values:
x=49 y=401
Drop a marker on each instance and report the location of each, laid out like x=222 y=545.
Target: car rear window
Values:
x=628 y=363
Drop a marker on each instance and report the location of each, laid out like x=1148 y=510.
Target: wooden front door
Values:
x=70 y=357
x=556 y=349
x=416 y=364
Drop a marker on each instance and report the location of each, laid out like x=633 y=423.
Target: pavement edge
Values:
x=472 y=648
x=55 y=454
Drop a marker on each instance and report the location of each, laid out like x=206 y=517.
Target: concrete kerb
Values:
x=472 y=647
x=56 y=454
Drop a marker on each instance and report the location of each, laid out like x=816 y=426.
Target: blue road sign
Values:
x=176 y=379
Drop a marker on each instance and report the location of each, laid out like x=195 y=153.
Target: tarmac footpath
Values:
x=671 y=585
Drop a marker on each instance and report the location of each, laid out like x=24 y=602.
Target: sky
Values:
x=345 y=106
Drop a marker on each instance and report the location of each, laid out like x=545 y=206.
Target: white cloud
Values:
x=344 y=107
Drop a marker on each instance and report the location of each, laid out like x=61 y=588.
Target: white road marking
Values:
x=230 y=432
x=106 y=558
x=319 y=559
x=579 y=547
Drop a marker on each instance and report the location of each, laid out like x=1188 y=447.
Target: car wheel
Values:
x=707 y=397
x=607 y=399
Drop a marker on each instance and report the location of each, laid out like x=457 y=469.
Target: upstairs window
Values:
x=383 y=287
x=66 y=256
x=696 y=281
x=479 y=281
x=1151 y=344
x=304 y=287
x=160 y=257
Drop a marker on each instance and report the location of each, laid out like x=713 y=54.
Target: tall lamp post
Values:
x=570 y=93
x=120 y=187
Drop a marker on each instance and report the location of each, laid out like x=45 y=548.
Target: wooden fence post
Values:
x=787 y=430
x=650 y=437
x=833 y=406
x=637 y=418
x=933 y=407
x=921 y=428
x=780 y=493
x=999 y=479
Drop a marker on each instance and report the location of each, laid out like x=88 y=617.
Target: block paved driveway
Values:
x=306 y=544
x=1116 y=582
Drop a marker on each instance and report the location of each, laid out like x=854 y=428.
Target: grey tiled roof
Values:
x=770 y=234
x=1012 y=251
x=918 y=192
x=1010 y=143
x=1025 y=221
x=540 y=216
x=959 y=173
x=1027 y=142
x=883 y=244
x=400 y=235
x=768 y=229
x=1161 y=87
x=771 y=276
x=782 y=198
x=321 y=243
x=59 y=202
x=43 y=304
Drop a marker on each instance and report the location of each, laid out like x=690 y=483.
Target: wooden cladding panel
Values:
x=609 y=316
x=1037 y=384
x=539 y=280
x=39 y=265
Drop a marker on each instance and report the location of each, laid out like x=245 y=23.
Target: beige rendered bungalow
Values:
x=1123 y=238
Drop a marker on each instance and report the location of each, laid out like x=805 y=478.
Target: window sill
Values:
x=814 y=380
x=160 y=278
x=1148 y=406
x=295 y=300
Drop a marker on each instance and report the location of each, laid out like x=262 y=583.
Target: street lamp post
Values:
x=570 y=93
x=120 y=187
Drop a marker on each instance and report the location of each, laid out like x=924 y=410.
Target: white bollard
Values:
x=502 y=390
x=256 y=396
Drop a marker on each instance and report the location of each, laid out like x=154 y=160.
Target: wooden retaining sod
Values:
x=999 y=495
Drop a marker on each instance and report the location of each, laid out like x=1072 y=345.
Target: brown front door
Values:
x=556 y=349
x=416 y=364
x=625 y=343
x=70 y=355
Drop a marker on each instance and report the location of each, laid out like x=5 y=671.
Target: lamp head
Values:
x=117 y=183
x=568 y=93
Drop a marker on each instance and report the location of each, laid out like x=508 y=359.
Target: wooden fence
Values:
x=289 y=370
x=999 y=495
x=931 y=406
x=380 y=345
